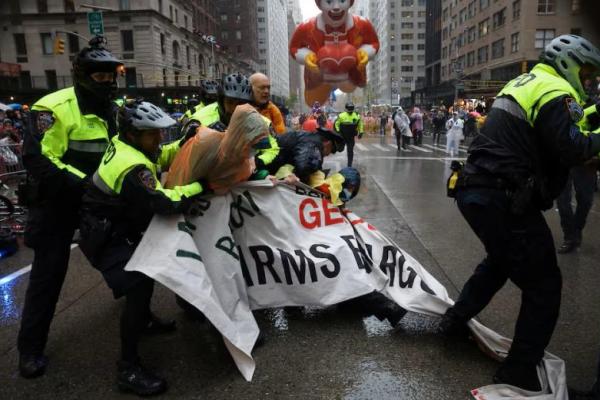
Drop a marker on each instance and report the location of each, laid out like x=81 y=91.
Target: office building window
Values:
x=470 y=58
x=46 y=43
x=499 y=18
x=484 y=27
x=514 y=42
x=127 y=40
x=124 y=5
x=543 y=37
x=546 y=6
x=576 y=6
x=42 y=6
x=483 y=4
x=73 y=44
x=482 y=55
x=498 y=49
x=21 y=47
x=163 y=47
x=69 y=5
x=516 y=9
x=472 y=34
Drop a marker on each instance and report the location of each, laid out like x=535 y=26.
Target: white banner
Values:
x=263 y=247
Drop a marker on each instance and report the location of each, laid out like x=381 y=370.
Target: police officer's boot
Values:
x=157 y=326
x=392 y=312
x=567 y=246
x=132 y=377
x=453 y=326
x=518 y=374
x=32 y=365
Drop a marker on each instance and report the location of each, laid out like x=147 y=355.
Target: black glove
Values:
x=190 y=130
x=218 y=126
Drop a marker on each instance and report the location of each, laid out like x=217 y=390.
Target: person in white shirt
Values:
x=454 y=135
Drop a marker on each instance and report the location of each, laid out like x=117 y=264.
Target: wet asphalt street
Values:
x=316 y=353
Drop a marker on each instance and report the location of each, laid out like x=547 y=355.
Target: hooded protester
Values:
x=221 y=159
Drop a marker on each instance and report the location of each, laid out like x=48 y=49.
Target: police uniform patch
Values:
x=45 y=120
x=147 y=178
x=575 y=110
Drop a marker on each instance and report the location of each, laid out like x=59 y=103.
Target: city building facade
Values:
x=272 y=20
x=400 y=64
x=164 y=55
x=295 y=69
x=239 y=30
x=485 y=43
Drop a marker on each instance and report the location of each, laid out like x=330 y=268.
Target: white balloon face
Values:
x=335 y=11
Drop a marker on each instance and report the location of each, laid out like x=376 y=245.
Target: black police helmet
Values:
x=350 y=106
x=95 y=58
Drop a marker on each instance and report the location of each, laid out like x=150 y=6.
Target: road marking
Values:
x=424 y=150
x=465 y=148
x=393 y=146
x=380 y=147
x=431 y=147
x=361 y=147
x=22 y=271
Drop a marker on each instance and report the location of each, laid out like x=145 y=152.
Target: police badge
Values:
x=44 y=121
x=147 y=178
x=575 y=110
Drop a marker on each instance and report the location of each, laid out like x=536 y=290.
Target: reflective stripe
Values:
x=511 y=107
x=100 y=184
x=88 y=147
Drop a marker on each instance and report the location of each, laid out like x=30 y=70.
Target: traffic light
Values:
x=59 y=46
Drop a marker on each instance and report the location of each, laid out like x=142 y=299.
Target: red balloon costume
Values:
x=335 y=47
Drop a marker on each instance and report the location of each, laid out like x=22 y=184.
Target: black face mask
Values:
x=100 y=90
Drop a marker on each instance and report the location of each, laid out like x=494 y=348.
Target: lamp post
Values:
x=212 y=40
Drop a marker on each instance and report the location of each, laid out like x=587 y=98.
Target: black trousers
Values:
x=135 y=317
x=583 y=179
x=349 y=138
x=519 y=248
x=50 y=261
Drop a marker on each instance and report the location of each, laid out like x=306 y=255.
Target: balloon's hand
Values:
x=311 y=63
x=363 y=59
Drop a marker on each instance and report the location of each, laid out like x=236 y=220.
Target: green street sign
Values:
x=95 y=23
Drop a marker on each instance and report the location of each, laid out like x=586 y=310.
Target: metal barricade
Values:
x=11 y=162
x=12 y=172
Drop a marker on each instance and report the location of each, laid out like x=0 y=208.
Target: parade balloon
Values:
x=334 y=47
x=337 y=59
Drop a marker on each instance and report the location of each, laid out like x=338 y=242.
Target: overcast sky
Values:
x=309 y=9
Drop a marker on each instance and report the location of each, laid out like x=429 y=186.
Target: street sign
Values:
x=95 y=23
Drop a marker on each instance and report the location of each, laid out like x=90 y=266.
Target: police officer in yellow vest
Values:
x=516 y=167
x=69 y=131
x=116 y=210
x=209 y=91
x=349 y=124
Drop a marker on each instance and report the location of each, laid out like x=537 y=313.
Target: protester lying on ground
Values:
x=305 y=152
x=221 y=159
x=117 y=209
